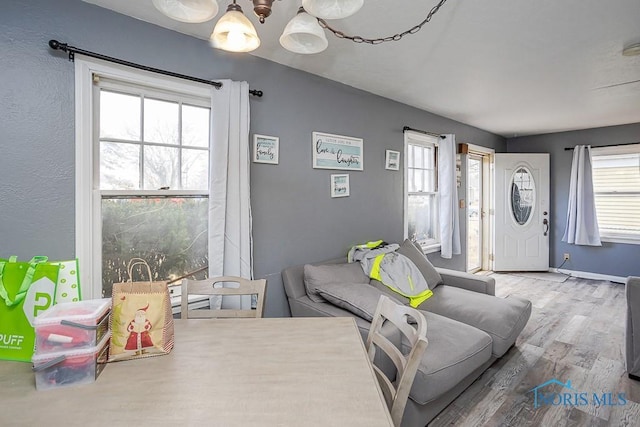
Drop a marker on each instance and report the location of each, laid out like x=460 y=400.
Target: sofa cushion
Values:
x=502 y=318
x=387 y=291
x=454 y=351
x=415 y=254
x=358 y=299
x=315 y=275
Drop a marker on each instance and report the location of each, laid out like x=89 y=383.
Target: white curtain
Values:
x=448 y=190
x=582 y=222
x=230 y=237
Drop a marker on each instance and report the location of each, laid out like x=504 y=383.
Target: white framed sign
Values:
x=266 y=149
x=392 y=160
x=340 y=185
x=337 y=152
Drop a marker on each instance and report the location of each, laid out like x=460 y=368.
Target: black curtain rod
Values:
x=609 y=145
x=406 y=128
x=71 y=50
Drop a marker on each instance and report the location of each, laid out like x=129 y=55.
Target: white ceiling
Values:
x=511 y=67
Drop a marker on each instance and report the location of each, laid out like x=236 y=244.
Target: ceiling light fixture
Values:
x=189 y=11
x=303 y=34
x=332 y=9
x=234 y=32
x=631 y=50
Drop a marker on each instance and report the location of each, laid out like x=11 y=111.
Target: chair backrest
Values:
x=208 y=287
x=396 y=393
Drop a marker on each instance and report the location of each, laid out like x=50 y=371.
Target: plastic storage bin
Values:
x=71 y=367
x=72 y=325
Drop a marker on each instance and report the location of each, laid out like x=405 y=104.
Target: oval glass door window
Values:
x=523 y=195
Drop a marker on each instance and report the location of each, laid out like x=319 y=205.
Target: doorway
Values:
x=522 y=212
x=474 y=213
x=479 y=161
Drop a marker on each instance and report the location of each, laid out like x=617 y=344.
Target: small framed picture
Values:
x=340 y=185
x=392 y=161
x=265 y=149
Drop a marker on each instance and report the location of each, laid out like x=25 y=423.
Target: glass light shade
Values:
x=332 y=9
x=631 y=50
x=304 y=35
x=190 y=11
x=235 y=33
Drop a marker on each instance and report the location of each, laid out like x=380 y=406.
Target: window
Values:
x=142 y=175
x=421 y=190
x=616 y=184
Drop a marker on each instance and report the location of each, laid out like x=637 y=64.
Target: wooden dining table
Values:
x=222 y=372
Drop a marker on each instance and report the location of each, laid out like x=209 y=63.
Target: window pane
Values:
x=161 y=168
x=195 y=126
x=160 y=121
x=195 y=169
x=411 y=176
x=523 y=195
x=119 y=116
x=419 y=177
x=418 y=162
x=421 y=218
x=119 y=166
x=170 y=234
x=430 y=158
x=430 y=180
x=616 y=173
x=619 y=213
x=616 y=182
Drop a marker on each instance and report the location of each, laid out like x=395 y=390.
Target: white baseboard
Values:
x=588 y=275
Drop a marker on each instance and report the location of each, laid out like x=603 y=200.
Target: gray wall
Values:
x=295 y=220
x=612 y=258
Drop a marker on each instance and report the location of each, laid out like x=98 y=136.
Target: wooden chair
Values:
x=207 y=287
x=396 y=395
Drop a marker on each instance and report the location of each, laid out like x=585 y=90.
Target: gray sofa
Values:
x=468 y=327
x=632 y=331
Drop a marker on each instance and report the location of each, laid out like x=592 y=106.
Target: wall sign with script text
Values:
x=265 y=149
x=337 y=152
x=392 y=160
x=340 y=185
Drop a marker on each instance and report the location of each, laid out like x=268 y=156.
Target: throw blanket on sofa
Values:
x=380 y=261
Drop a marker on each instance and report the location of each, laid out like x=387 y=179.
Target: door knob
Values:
x=545 y=222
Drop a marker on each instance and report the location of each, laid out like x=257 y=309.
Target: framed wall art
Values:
x=339 y=185
x=337 y=152
x=266 y=149
x=392 y=160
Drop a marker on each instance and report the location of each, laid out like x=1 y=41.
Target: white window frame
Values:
x=616 y=150
x=88 y=197
x=415 y=138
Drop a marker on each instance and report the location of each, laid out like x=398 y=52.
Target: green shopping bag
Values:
x=26 y=290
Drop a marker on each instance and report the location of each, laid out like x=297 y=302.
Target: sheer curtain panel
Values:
x=448 y=190
x=230 y=236
x=582 y=222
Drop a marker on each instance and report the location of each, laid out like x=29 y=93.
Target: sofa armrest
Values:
x=468 y=281
x=632 y=330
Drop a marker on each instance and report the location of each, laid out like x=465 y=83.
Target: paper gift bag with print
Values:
x=141 y=318
x=68 y=284
x=26 y=290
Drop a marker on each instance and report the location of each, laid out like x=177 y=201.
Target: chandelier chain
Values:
x=393 y=38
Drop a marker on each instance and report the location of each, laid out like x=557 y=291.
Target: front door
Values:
x=521 y=212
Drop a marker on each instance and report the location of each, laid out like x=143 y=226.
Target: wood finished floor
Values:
x=576 y=333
